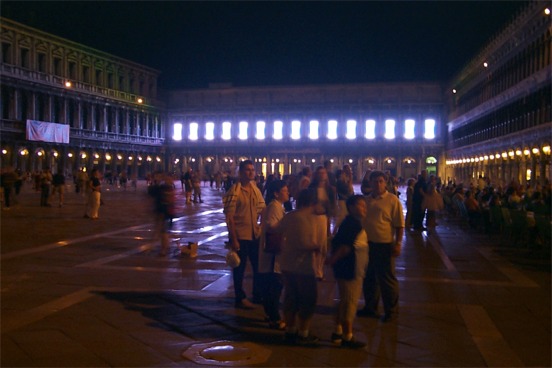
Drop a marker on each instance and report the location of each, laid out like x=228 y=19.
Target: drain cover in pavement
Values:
x=227 y=353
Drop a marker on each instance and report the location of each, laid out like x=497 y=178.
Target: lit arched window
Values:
x=370 y=129
x=194 y=128
x=429 y=132
x=278 y=130
x=260 y=130
x=351 y=129
x=242 y=134
x=295 y=129
x=313 y=129
x=409 y=125
x=226 y=130
x=390 y=129
x=332 y=129
x=177 y=132
x=210 y=131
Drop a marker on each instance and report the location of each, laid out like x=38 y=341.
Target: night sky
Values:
x=277 y=43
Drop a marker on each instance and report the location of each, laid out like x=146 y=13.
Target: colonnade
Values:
x=533 y=169
x=63 y=108
x=285 y=164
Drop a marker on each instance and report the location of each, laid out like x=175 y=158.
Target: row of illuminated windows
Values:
x=298 y=130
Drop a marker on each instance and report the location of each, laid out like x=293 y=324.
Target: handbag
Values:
x=232 y=259
x=273 y=243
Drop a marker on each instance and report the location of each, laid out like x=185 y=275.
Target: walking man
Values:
x=243 y=205
x=384 y=225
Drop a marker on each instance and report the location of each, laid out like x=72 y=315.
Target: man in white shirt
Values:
x=243 y=205
x=384 y=225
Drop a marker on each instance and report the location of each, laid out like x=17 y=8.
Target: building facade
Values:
x=110 y=104
x=492 y=119
x=394 y=127
x=499 y=117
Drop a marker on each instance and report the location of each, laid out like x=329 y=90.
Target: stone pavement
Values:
x=83 y=293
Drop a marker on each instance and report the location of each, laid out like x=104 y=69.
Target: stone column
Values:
x=78 y=125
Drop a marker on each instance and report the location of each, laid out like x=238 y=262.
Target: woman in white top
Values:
x=269 y=265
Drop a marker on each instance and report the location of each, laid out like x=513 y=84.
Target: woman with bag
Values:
x=270 y=243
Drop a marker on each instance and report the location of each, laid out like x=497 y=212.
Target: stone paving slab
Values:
x=77 y=292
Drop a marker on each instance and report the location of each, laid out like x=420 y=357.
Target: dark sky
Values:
x=277 y=43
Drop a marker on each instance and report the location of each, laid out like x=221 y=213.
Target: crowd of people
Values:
x=323 y=224
x=291 y=229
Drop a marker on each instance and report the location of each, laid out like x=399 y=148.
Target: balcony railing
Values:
x=59 y=82
x=18 y=126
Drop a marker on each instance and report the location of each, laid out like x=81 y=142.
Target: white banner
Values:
x=47 y=132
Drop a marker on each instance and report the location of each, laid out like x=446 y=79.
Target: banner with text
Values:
x=47 y=132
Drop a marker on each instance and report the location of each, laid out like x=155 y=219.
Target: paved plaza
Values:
x=83 y=293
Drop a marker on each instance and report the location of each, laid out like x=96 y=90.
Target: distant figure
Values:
x=409 y=195
x=418 y=213
x=82 y=181
x=59 y=185
x=9 y=178
x=325 y=209
x=188 y=185
x=196 y=187
x=344 y=191
x=433 y=202
x=162 y=191
x=45 y=187
x=94 y=195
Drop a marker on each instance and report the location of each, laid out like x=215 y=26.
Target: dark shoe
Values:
x=257 y=301
x=245 y=304
x=367 y=313
x=277 y=325
x=290 y=338
x=389 y=318
x=353 y=344
x=310 y=340
x=336 y=338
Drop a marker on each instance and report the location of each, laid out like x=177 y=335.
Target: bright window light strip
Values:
x=295 y=129
x=409 y=125
x=429 y=132
x=332 y=129
x=177 y=132
x=313 y=129
x=351 y=129
x=242 y=134
x=389 y=129
x=370 y=129
x=194 y=128
x=260 y=134
x=209 y=131
x=226 y=130
x=278 y=132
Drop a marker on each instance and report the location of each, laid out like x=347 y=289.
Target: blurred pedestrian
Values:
x=94 y=195
x=58 y=182
x=8 y=178
x=45 y=187
x=301 y=243
x=325 y=209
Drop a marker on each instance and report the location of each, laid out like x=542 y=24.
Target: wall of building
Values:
x=110 y=104
x=499 y=119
